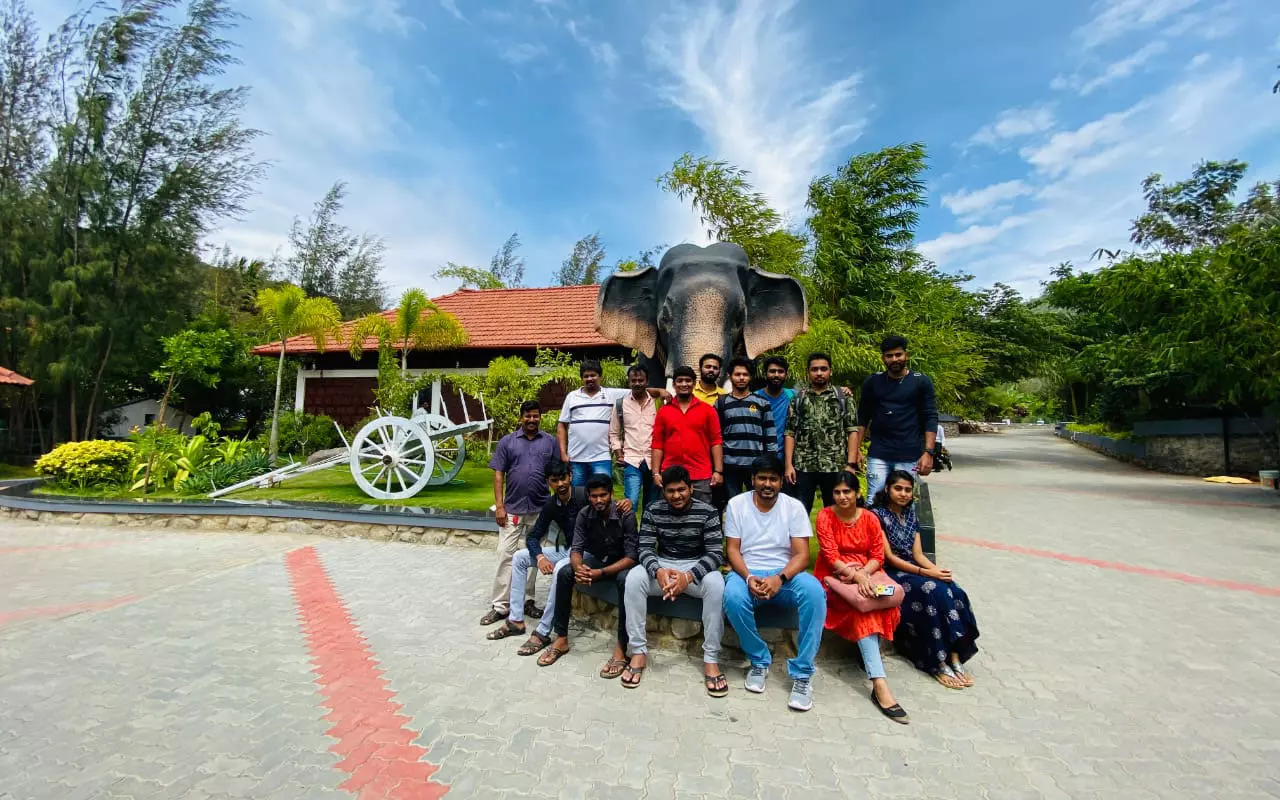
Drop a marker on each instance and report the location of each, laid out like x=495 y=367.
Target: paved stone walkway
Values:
x=163 y=664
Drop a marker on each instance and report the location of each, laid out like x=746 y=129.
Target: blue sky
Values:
x=458 y=122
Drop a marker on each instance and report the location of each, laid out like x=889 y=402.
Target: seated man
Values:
x=561 y=509
x=604 y=548
x=768 y=537
x=681 y=549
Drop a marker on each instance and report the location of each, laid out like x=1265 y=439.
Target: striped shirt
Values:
x=692 y=533
x=587 y=417
x=746 y=425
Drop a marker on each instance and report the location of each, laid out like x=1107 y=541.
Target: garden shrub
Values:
x=84 y=464
x=221 y=474
x=302 y=434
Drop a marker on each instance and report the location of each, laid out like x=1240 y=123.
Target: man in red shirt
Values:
x=686 y=432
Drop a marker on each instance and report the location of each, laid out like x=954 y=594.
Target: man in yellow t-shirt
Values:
x=709 y=387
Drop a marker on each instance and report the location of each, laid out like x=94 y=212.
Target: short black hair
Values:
x=676 y=474
x=893 y=343
x=599 y=480
x=558 y=469
x=766 y=463
x=683 y=372
x=818 y=355
x=634 y=368
x=530 y=405
x=590 y=365
x=742 y=362
x=779 y=360
x=705 y=356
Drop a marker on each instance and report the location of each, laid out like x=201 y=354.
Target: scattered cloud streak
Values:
x=984 y=202
x=1117 y=18
x=1013 y=123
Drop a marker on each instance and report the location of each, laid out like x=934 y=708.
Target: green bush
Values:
x=84 y=464
x=303 y=434
x=221 y=474
x=1098 y=429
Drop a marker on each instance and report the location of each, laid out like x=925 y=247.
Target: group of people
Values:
x=727 y=478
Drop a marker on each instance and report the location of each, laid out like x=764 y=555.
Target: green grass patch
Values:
x=1098 y=429
x=12 y=472
x=472 y=490
x=106 y=493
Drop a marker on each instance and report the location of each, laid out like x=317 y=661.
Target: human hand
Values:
x=716 y=479
x=679 y=582
x=663 y=577
x=791 y=475
x=925 y=465
x=545 y=566
x=617 y=456
x=857 y=460
x=847 y=391
x=940 y=574
x=584 y=574
x=772 y=585
x=847 y=573
x=657 y=479
x=624 y=506
x=664 y=395
x=756 y=586
x=500 y=516
x=864 y=584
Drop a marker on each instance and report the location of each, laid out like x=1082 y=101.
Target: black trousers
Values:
x=736 y=480
x=809 y=482
x=564 y=598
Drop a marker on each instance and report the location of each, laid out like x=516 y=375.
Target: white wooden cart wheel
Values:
x=391 y=458
x=451 y=451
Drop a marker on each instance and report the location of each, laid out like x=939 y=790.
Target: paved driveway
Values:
x=1129 y=649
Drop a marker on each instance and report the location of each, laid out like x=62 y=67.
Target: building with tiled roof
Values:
x=498 y=322
x=10 y=378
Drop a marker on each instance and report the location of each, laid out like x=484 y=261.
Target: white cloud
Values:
x=451 y=6
x=976 y=203
x=742 y=76
x=1014 y=123
x=1063 y=148
x=1120 y=69
x=937 y=249
x=603 y=52
x=1116 y=18
x=520 y=53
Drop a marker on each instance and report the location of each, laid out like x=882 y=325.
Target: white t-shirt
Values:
x=588 y=419
x=766 y=538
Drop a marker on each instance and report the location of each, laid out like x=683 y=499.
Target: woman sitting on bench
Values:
x=938 y=628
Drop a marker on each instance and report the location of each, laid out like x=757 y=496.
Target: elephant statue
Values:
x=700 y=300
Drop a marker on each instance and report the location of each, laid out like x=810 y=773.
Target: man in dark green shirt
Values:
x=821 y=439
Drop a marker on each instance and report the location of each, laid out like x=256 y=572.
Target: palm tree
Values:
x=288 y=312
x=419 y=325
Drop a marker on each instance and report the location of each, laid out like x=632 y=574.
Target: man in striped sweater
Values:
x=681 y=550
x=746 y=425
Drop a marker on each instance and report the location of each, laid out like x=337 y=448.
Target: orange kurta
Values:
x=858 y=543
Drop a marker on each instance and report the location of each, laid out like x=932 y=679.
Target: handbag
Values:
x=889 y=593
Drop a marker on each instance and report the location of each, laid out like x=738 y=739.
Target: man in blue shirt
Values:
x=900 y=408
x=779 y=397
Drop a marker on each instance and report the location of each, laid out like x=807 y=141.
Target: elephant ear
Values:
x=627 y=310
x=776 y=311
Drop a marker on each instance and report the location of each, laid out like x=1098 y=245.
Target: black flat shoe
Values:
x=894 y=712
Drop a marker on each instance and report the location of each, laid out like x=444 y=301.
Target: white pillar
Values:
x=300 y=390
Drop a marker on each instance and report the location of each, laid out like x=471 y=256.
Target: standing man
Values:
x=747 y=426
x=686 y=432
x=709 y=388
x=520 y=490
x=681 y=549
x=900 y=408
x=604 y=548
x=821 y=437
x=779 y=396
x=631 y=436
x=583 y=428
x=768 y=537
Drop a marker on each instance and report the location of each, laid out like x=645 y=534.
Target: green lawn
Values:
x=11 y=472
x=472 y=490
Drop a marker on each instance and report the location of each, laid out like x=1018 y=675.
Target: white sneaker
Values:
x=801 y=694
x=755 y=679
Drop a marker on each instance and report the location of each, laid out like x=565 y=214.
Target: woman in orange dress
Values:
x=851 y=549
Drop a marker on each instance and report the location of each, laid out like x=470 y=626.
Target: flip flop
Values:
x=894 y=712
x=948 y=678
x=535 y=644
x=551 y=656
x=509 y=629
x=613 y=668
x=963 y=675
x=636 y=673
x=717 y=685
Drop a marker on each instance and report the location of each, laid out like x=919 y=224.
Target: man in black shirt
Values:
x=900 y=408
x=605 y=545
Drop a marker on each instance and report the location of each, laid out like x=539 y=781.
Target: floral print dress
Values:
x=937 y=618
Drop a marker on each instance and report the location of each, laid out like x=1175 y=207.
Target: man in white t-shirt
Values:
x=583 y=427
x=768 y=535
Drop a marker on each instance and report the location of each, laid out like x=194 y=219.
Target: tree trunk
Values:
x=90 y=416
x=75 y=432
x=275 y=408
x=164 y=400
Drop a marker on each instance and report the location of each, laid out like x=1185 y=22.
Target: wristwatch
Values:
x=784 y=577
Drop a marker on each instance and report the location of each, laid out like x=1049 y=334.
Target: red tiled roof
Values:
x=559 y=316
x=12 y=378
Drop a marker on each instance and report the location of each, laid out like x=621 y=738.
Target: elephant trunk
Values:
x=708 y=322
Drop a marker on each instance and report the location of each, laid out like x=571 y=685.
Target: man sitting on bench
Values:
x=681 y=549
x=768 y=541
x=604 y=548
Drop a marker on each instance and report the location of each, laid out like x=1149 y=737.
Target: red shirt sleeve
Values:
x=713 y=428
x=659 y=430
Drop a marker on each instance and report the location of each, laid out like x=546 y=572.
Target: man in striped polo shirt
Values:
x=681 y=550
x=746 y=425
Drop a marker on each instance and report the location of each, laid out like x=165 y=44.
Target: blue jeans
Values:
x=638 y=482
x=803 y=593
x=581 y=470
x=878 y=472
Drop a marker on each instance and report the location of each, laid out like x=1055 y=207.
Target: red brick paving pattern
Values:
x=373 y=739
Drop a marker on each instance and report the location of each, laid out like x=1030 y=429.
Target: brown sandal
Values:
x=535 y=644
x=717 y=685
x=493 y=616
x=551 y=656
x=508 y=629
x=636 y=674
x=612 y=668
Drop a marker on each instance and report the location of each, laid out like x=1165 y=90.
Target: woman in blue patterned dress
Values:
x=938 y=630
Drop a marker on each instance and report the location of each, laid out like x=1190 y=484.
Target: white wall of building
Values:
x=142 y=413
